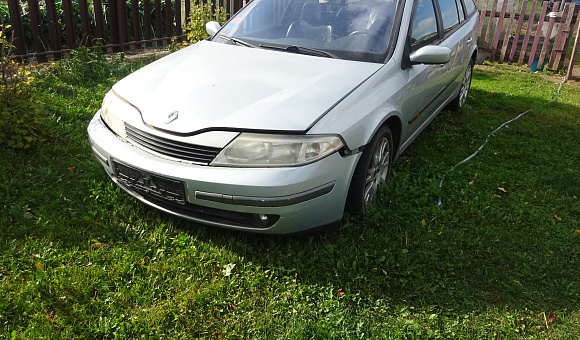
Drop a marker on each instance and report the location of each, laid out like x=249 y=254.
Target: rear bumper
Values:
x=292 y=199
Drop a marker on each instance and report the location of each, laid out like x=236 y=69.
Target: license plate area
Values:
x=149 y=184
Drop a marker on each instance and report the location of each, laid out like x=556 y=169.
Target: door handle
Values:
x=470 y=39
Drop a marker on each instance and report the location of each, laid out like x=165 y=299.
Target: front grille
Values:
x=168 y=147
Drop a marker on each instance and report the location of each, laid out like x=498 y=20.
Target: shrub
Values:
x=200 y=15
x=21 y=121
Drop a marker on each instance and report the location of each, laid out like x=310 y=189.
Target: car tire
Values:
x=373 y=169
x=461 y=98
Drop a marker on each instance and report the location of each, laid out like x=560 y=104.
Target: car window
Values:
x=348 y=29
x=424 y=31
x=449 y=14
x=460 y=9
x=469 y=7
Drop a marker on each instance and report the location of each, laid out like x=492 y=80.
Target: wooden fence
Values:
x=49 y=27
x=530 y=33
x=508 y=32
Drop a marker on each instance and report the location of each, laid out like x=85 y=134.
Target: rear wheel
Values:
x=461 y=98
x=373 y=170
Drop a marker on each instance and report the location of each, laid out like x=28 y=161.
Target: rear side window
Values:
x=469 y=7
x=460 y=10
x=449 y=14
x=424 y=31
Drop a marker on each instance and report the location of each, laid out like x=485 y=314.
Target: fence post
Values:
x=16 y=22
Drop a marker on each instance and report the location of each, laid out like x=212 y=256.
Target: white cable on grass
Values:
x=494 y=131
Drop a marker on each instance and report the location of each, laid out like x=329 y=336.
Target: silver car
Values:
x=289 y=114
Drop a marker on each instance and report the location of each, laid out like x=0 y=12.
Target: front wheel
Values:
x=461 y=98
x=373 y=170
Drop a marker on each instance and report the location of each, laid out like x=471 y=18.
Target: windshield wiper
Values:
x=237 y=41
x=300 y=50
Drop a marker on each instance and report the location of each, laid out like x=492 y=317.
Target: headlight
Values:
x=114 y=112
x=262 y=150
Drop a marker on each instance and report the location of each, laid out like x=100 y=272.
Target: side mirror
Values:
x=212 y=28
x=431 y=55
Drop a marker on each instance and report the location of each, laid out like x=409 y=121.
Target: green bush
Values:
x=200 y=15
x=22 y=123
x=83 y=66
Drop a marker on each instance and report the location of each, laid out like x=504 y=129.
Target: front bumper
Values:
x=293 y=199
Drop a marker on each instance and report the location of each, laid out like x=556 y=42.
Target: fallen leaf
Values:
x=227 y=271
x=98 y=245
x=472 y=182
x=497 y=299
x=143 y=261
x=39 y=266
x=578 y=231
x=501 y=189
x=71 y=168
x=340 y=292
x=558 y=218
x=551 y=317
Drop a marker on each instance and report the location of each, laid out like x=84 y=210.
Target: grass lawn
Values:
x=499 y=258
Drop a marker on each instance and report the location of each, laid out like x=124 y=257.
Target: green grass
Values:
x=81 y=259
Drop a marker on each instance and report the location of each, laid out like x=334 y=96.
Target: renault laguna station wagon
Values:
x=290 y=114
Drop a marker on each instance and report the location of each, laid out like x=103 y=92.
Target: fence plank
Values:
x=147 y=21
x=85 y=23
x=53 y=26
x=187 y=11
x=574 y=49
x=168 y=23
x=98 y=9
x=490 y=25
x=528 y=32
x=113 y=22
x=16 y=20
x=498 y=29
x=538 y=33
x=34 y=13
x=562 y=38
x=69 y=24
x=136 y=21
x=518 y=30
x=178 y=30
x=121 y=23
x=508 y=31
x=482 y=17
x=547 y=37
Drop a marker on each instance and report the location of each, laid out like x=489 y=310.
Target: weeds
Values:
x=22 y=123
x=199 y=16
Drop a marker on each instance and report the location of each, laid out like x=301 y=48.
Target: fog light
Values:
x=261 y=219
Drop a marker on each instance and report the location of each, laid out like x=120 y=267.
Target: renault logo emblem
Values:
x=171 y=117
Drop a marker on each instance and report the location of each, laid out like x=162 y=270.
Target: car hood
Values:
x=218 y=86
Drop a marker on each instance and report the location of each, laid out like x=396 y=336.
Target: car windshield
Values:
x=345 y=29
